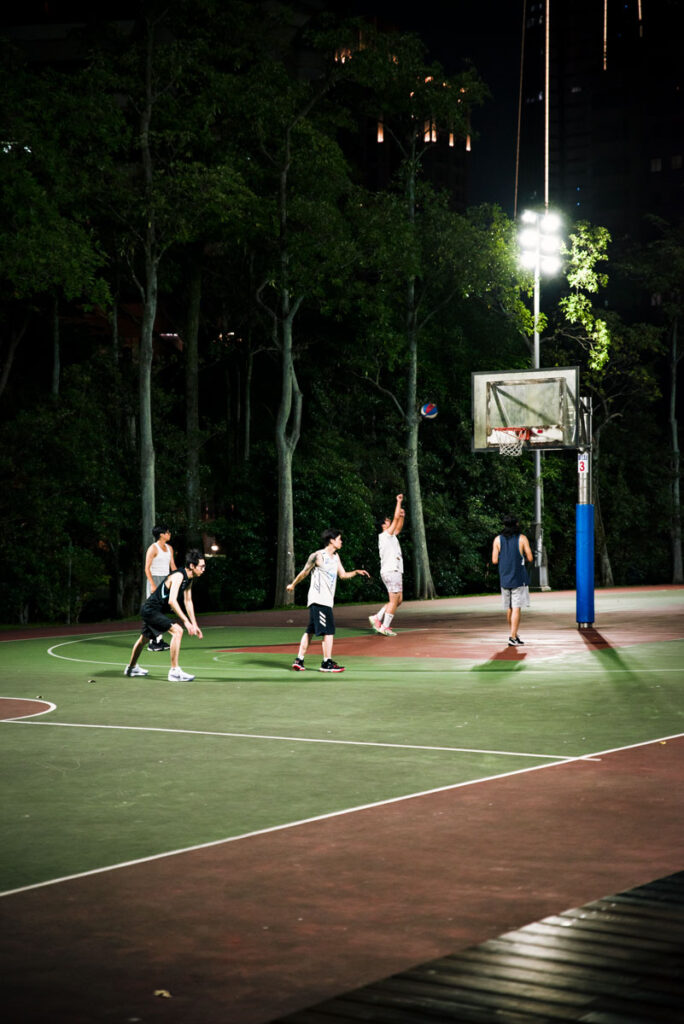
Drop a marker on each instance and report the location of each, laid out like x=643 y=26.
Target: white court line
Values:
x=300 y=739
x=332 y=814
x=527 y=667
x=30 y=700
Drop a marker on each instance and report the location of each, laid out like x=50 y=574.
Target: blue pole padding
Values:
x=584 y=561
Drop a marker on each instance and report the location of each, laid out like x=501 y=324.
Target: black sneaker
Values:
x=512 y=642
x=155 y=646
x=519 y=642
x=298 y=665
x=330 y=666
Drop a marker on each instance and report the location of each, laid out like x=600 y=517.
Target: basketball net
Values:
x=511 y=439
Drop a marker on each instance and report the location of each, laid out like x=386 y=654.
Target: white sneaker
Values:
x=177 y=675
x=135 y=671
x=386 y=631
x=375 y=623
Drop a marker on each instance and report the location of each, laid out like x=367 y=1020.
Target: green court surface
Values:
x=125 y=769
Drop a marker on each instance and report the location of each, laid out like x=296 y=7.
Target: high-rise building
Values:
x=601 y=125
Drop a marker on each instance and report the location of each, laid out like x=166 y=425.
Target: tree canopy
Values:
x=240 y=242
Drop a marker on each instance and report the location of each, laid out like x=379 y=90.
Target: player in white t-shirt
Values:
x=327 y=568
x=391 y=568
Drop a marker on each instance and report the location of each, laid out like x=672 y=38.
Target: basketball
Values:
x=428 y=411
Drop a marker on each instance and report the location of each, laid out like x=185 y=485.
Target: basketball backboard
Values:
x=544 y=402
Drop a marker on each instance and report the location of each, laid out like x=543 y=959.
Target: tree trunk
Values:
x=192 y=406
x=289 y=413
x=16 y=336
x=677 y=575
x=114 y=324
x=147 y=459
x=149 y=292
x=422 y=577
x=56 y=355
x=423 y=585
x=247 y=436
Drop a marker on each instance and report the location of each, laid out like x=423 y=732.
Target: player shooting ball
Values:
x=391 y=568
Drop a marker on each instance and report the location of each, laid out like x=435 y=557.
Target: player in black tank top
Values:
x=155 y=612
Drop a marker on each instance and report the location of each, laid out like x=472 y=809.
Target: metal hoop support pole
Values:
x=584 y=523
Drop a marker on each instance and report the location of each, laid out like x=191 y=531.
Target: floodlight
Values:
x=529 y=238
x=550 y=222
x=549 y=243
x=550 y=264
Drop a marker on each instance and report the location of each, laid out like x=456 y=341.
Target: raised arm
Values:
x=312 y=560
x=352 y=572
x=397 y=524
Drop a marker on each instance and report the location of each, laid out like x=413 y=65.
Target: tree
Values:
x=618 y=357
x=659 y=266
x=426 y=246
x=166 y=180
x=48 y=249
x=306 y=245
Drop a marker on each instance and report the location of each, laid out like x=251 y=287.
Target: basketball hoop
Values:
x=510 y=439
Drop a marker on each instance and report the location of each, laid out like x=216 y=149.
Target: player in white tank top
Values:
x=159 y=558
x=158 y=564
x=326 y=569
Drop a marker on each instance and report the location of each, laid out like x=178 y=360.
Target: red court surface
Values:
x=249 y=930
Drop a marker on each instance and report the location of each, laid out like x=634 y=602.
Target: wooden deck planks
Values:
x=618 y=960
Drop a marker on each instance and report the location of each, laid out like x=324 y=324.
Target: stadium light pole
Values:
x=540 y=244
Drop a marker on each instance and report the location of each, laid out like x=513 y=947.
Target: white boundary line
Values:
x=297 y=739
x=539 y=665
x=30 y=700
x=325 y=817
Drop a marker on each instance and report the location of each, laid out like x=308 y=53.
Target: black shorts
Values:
x=321 y=620
x=154 y=622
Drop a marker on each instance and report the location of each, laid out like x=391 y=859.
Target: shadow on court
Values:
x=510 y=659
x=607 y=655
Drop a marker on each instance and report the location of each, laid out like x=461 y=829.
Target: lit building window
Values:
x=430 y=131
x=381 y=132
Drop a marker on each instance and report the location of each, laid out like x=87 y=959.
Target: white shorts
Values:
x=394 y=581
x=516 y=597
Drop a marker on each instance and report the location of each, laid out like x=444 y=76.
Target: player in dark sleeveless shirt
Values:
x=155 y=616
x=509 y=551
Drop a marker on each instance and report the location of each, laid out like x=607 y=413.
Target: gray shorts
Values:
x=515 y=597
x=157 y=581
x=394 y=581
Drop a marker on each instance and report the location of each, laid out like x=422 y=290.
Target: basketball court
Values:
x=255 y=842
